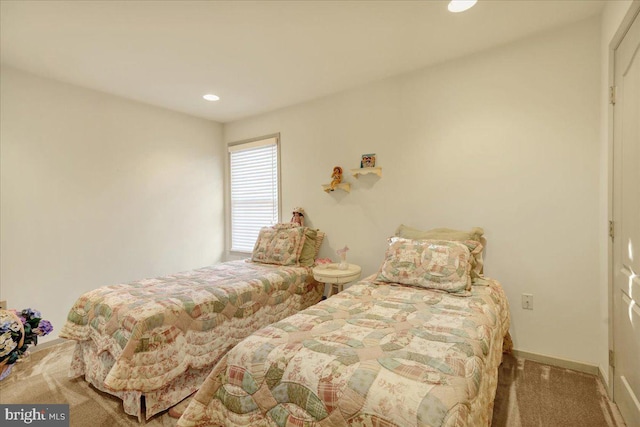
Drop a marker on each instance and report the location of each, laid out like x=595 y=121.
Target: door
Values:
x=626 y=216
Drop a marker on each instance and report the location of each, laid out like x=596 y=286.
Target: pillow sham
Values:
x=319 y=240
x=475 y=234
x=312 y=242
x=432 y=264
x=308 y=254
x=279 y=245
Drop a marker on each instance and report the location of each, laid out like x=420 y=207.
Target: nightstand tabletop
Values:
x=330 y=273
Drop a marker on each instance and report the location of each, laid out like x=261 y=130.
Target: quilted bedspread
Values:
x=373 y=355
x=144 y=335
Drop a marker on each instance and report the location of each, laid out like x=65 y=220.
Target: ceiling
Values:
x=257 y=56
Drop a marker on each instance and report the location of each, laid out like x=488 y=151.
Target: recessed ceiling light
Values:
x=460 y=5
x=211 y=97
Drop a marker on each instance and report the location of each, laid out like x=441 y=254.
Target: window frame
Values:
x=250 y=143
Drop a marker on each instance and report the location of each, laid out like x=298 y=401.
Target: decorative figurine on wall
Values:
x=298 y=217
x=368 y=160
x=336 y=177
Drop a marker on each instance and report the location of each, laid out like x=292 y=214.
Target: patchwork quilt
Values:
x=159 y=338
x=376 y=354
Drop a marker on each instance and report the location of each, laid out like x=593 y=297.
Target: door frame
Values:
x=625 y=25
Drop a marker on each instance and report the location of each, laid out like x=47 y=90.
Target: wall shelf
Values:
x=344 y=186
x=366 y=171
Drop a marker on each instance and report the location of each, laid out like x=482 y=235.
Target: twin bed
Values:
x=418 y=343
x=153 y=342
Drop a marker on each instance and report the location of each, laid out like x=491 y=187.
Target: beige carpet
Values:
x=43 y=379
x=532 y=394
x=529 y=394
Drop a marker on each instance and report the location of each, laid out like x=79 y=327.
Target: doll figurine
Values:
x=298 y=217
x=336 y=177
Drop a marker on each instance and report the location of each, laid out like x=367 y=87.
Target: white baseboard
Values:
x=606 y=384
x=560 y=363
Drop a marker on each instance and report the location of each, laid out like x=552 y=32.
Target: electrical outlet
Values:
x=3 y=305
x=527 y=301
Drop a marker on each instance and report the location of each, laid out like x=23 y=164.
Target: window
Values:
x=254 y=190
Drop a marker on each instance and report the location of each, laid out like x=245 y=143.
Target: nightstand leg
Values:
x=334 y=288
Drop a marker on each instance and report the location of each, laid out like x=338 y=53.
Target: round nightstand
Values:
x=336 y=278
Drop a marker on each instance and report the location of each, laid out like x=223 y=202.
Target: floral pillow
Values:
x=279 y=245
x=476 y=234
x=434 y=264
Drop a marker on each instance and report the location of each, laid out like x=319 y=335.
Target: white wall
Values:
x=507 y=139
x=97 y=190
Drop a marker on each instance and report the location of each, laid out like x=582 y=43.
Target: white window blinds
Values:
x=254 y=190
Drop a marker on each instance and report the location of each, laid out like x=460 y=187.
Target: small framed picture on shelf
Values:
x=368 y=160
